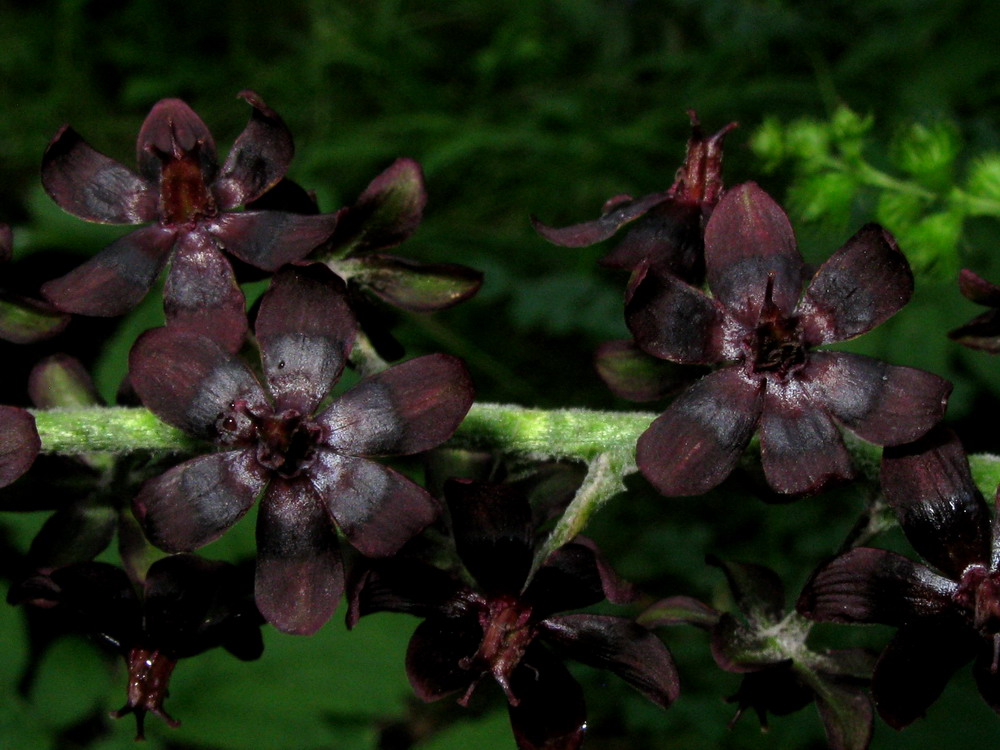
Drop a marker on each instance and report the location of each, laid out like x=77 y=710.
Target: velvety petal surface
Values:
x=748 y=241
x=551 y=713
x=941 y=511
x=616 y=214
x=306 y=330
x=173 y=131
x=414 y=286
x=270 y=239
x=377 y=509
x=92 y=186
x=258 y=159
x=433 y=655
x=201 y=294
x=19 y=443
x=801 y=448
x=299 y=572
x=867 y=585
x=615 y=643
x=696 y=442
x=409 y=408
x=881 y=403
x=672 y=320
x=117 y=278
x=864 y=283
x=193 y=503
x=190 y=381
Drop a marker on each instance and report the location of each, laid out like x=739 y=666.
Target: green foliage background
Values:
x=545 y=107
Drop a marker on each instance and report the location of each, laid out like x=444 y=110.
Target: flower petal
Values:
x=757 y=591
x=668 y=238
x=551 y=713
x=258 y=159
x=696 y=442
x=117 y=278
x=435 y=650
x=19 y=443
x=575 y=576
x=866 y=585
x=881 y=403
x=977 y=289
x=629 y=650
x=672 y=320
x=405 y=585
x=941 y=511
x=982 y=332
x=386 y=213
x=201 y=294
x=409 y=408
x=414 y=286
x=270 y=239
x=864 y=283
x=300 y=576
x=847 y=713
x=306 y=330
x=60 y=380
x=88 y=184
x=801 y=448
x=617 y=213
x=749 y=240
x=915 y=667
x=195 y=502
x=172 y=131
x=25 y=321
x=77 y=532
x=632 y=374
x=377 y=509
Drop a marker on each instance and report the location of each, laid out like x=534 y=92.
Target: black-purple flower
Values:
x=763 y=337
x=948 y=612
x=19 y=443
x=189 y=203
x=308 y=458
x=509 y=625
x=983 y=331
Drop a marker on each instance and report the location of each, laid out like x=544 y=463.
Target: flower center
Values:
x=184 y=196
x=507 y=633
x=149 y=673
x=286 y=442
x=776 y=348
x=979 y=593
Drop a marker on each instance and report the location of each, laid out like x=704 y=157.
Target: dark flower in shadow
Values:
x=24 y=320
x=664 y=229
x=947 y=614
x=189 y=202
x=763 y=335
x=983 y=331
x=508 y=625
x=307 y=458
x=19 y=443
x=185 y=606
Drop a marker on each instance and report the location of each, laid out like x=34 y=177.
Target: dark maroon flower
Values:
x=983 y=331
x=308 y=460
x=948 y=614
x=19 y=443
x=509 y=626
x=665 y=229
x=185 y=606
x=24 y=320
x=189 y=202
x=768 y=646
x=763 y=335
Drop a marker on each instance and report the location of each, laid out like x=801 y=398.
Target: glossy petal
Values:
x=19 y=443
x=867 y=585
x=270 y=239
x=881 y=403
x=201 y=294
x=620 y=213
x=173 y=130
x=747 y=241
x=117 y=278
x=414 y=286
x=551 y=713
x=88 y=184
x=299 y=573
x=620 y=645
x=377 y=509
x=306 y=330
x=632 y=374
x=409 y=408
x=672 y=320
x=668 y=237
x=25 y=321
x=195 y=502
x=941 y=511
x=914 y=669
x=190 y=381
x=801 y=448
x=696 y=442
x=259 y=157
x=436 y=648
x=386 y=213
x=493 y=531
x=864 y=283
